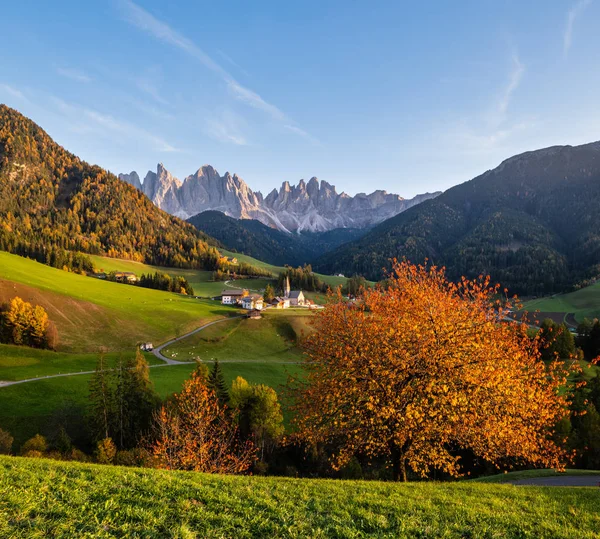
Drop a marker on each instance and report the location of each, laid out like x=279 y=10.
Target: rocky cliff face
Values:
x=314 y=206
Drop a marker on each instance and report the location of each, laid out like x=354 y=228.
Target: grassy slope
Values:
x=584 y=303
x=271 y=339
x=275 y=270
x=90 y=313
x=42 y=498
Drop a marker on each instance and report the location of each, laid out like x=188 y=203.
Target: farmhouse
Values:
x=233 y=297
x=252 y=301
x=254 y=315
x=280 y=303
x=297 y=298
x=126 y=276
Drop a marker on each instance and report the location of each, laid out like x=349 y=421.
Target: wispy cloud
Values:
x=143 y=20
x=83 y=119
x=491 y=131
x=13 y=92
x=229 y=59
x=302 y=133
x=514 y=79
x=226 y=127
x=74 y=74
x=572 y=15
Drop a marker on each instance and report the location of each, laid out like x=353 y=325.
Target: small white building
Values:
x=233 y=297
x=146 y=347
x=253 y=302
x=297 y=298
x=280 y=303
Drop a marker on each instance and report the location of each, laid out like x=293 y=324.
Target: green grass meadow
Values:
x=91 y=314
x=43 y=498
x=584 y=303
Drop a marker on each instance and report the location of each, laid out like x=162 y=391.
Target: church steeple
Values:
x=286 y=287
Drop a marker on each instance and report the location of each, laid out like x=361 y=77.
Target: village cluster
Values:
x=256 y=302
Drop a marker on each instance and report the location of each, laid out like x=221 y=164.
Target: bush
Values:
x=37 y=444
x=105 y=451
x=6 y=442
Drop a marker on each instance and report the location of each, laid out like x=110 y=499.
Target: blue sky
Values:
x=406 y=97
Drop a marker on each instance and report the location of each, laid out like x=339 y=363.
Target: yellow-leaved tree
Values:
x=422 y=368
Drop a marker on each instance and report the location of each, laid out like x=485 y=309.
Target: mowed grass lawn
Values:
x=584 y=303
x=273 y=338
x=91 y=314
x=43 y=498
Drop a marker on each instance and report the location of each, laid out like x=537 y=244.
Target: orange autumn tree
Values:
x=194 y=432
x=422 y=368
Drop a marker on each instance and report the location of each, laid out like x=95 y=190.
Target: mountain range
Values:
x=532 y=223
x=268 y=244
x=313 y=206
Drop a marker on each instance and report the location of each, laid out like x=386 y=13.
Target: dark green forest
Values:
x=532 y=224
x=256 y=239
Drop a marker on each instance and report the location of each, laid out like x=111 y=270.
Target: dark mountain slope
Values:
x=51 y=201
x=533 y=223
x=255 y=239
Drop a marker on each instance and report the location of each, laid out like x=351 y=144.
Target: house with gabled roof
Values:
x=233 y=297
x=253 y=301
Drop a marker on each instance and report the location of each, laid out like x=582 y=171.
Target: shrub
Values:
x=37 y=444
x=105 y=451
x=6 y=442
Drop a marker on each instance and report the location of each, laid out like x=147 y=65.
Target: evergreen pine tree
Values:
x=216 y=381
x=101 y=400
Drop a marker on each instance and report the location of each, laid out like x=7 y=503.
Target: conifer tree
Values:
x=216 y=382
x=101 y=400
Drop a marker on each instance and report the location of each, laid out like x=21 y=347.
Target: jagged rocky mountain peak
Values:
x=308 y=206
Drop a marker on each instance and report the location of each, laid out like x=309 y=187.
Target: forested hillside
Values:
x=532 y=224
x=52 y=202
x=271 y=245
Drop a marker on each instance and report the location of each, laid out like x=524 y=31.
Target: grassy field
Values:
x=43 y=498
x=25 y=408
x=270 y=339
x=584 y=303
x=22 y=362
x=91 y=314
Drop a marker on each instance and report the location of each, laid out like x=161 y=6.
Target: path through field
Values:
x=157 y=352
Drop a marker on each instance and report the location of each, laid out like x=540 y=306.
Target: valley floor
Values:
x=42 y=498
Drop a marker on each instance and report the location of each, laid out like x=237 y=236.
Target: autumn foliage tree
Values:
x=25 y=324
x=195 y=432
x=423 y=369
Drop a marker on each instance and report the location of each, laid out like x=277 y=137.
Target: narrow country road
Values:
x=156 y=352
x=560 y=481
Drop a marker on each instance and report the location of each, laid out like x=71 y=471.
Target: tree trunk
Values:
x=398 y=462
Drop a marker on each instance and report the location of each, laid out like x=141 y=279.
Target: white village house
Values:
x=233 y=297
x=253 y=302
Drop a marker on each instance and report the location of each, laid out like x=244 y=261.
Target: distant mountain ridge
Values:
x=313 y=206
x=268 y=244
x=532 y=223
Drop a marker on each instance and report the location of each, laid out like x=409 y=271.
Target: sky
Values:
x=407 y=97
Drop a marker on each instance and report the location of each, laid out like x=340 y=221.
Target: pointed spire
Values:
x=286 y=289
